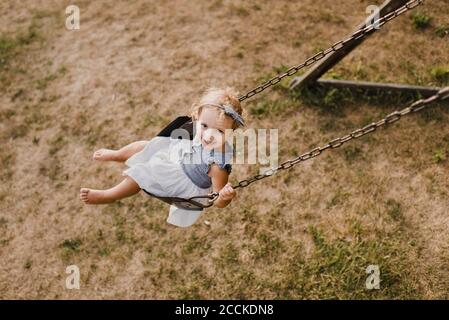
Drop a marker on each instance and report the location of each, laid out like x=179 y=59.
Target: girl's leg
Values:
x=120 y=155
x=126 y=188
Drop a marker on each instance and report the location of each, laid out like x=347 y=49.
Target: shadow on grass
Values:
x=333 y=100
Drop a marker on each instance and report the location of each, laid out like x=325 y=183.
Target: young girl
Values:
x=171 y=168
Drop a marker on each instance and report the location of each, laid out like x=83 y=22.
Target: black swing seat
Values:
x=193 y=203
x=187 y=204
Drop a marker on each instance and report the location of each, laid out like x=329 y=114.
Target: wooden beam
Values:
x=320 y=68
x=372 y=86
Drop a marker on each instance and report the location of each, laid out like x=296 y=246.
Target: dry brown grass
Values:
x=306 y=233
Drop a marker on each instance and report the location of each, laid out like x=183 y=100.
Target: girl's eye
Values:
x=204 y=125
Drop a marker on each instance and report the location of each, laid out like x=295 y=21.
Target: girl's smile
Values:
x=211 y=127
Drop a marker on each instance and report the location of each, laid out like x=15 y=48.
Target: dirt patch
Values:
x=307 y=233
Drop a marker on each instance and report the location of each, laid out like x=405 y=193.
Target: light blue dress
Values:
x=158 y=169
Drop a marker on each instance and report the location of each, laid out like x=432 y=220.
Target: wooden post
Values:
x=373 y=86
x=333 y=58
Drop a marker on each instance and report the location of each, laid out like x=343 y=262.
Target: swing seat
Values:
x=187 y=204
x=182 y=122
x=186 y=123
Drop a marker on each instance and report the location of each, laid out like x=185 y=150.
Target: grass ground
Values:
x=310 y=232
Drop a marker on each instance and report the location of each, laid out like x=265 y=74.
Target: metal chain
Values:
x=337 y=46
x=416 y=106
x=336 y=143
x=359 y=34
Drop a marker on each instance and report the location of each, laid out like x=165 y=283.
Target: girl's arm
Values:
x=219 y=184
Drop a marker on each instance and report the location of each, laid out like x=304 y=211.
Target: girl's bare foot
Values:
x=106 y=155
x=92 y=196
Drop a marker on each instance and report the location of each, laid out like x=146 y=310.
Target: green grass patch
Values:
x=7 y=158
x=16 y=131
x=28 y=264
x=267 y=108
x=42 y=84
x=432 y=113
x=340 y=267
x=440 y=74
x=267 y=247
x=337 y=268
x=442 y=31
x=71 y=244
x=229 y=256
x=352 y=153
x=332 y=100
x=10 y=46
x=240 y=11
x=69 y=248
x=394 y=210
x=439 y=156
x=421 y=20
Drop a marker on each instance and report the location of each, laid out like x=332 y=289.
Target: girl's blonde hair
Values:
x=213 y=95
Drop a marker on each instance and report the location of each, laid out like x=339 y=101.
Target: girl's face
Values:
x=211 y=128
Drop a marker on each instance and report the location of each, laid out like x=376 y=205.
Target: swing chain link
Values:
x=443 y=94
x=358 y=34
